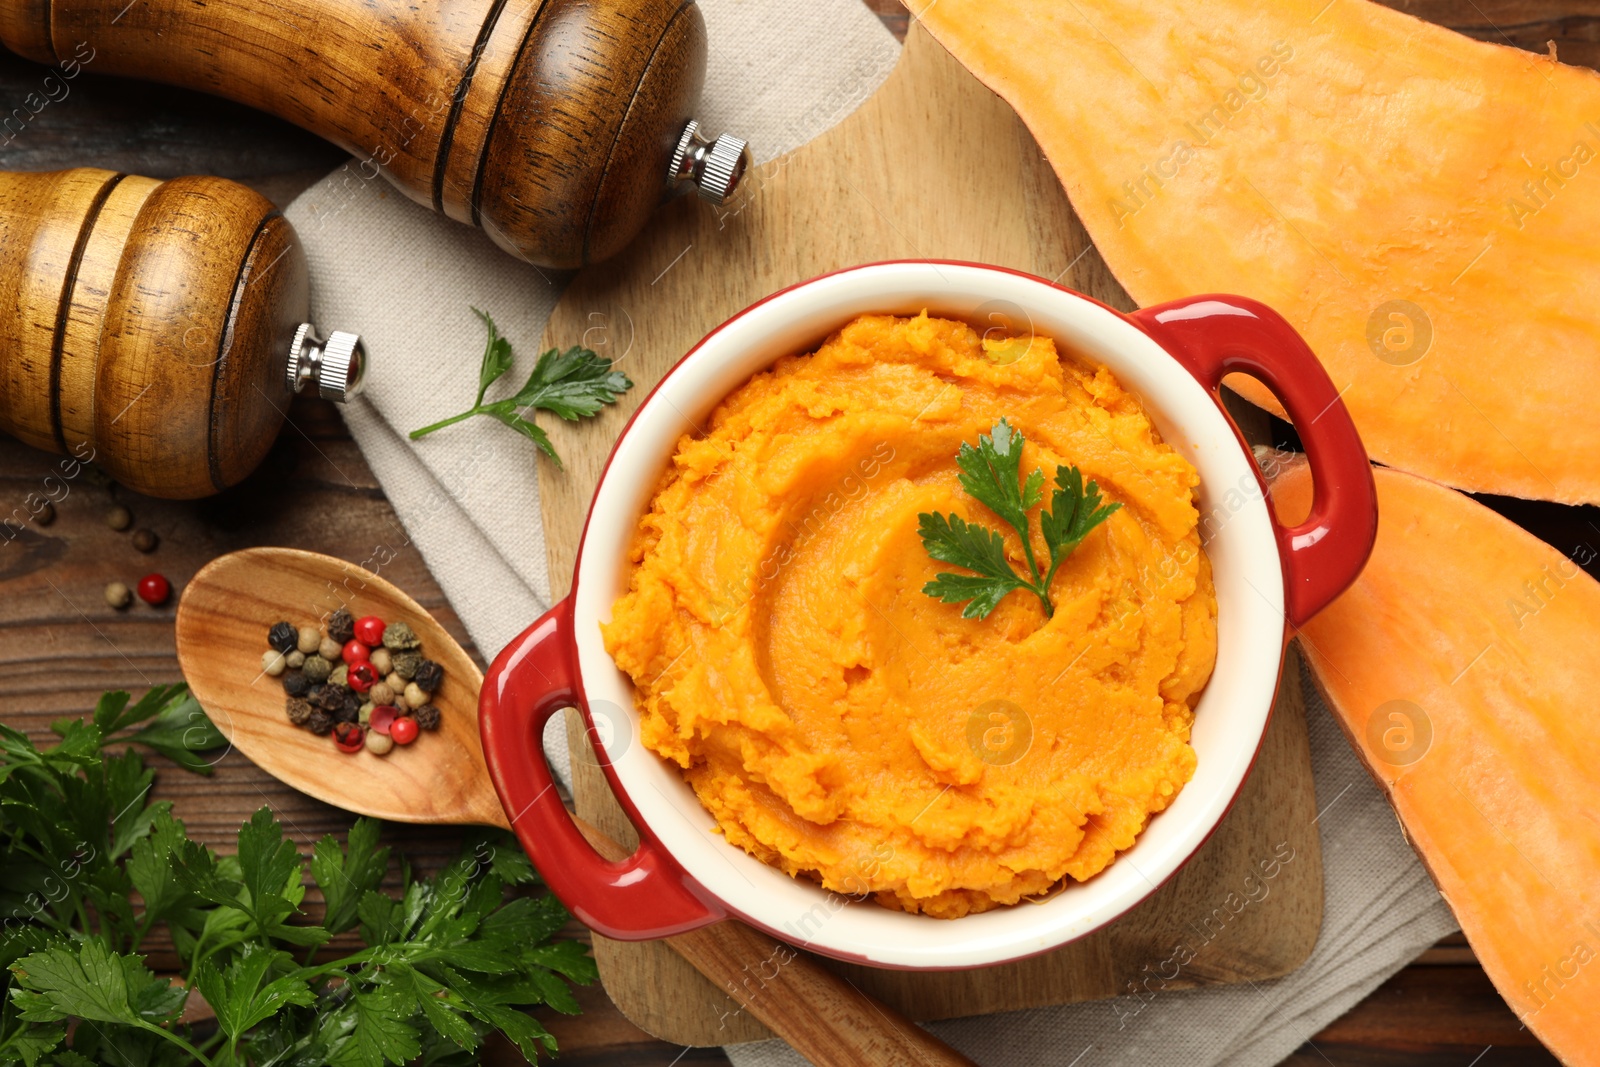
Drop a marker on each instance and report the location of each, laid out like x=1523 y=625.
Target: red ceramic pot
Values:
x=1269 y=580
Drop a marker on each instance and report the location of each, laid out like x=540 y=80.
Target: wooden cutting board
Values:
x=933 y=165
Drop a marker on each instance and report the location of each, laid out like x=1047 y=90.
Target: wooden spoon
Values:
x=222 y=630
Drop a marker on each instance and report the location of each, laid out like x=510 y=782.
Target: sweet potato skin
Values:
x=1460 y=665
x=1424 y=208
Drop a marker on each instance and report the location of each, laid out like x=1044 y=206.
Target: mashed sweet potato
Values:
x=839 y=723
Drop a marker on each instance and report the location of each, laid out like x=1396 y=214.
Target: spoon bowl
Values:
x=222 y=626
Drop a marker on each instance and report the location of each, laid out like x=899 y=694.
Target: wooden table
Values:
x=62 y=647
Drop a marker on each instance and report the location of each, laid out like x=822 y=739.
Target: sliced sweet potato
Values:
x=1423 y=207
x=1461 y=664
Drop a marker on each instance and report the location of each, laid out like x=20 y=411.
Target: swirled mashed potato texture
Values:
x=842 y=725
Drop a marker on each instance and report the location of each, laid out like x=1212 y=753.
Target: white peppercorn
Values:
x=381 y=694
x=296 y=659
x=395 y=683
x=379 y=744
x=416 y=697
x=329 y=649
x=118 y=595
x=145 y=540
x=272 y=662
x=119 y=518
x=310 y=639
x=382 y=662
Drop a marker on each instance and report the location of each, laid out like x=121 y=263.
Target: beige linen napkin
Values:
x=469 y=498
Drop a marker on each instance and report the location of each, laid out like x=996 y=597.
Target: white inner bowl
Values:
x=1229 y=720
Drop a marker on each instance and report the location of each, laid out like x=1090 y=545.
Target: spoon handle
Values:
x=822 y=1015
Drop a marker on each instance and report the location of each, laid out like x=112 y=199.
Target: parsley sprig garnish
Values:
x=573 y=384
x=93 y=872
x=991 y=475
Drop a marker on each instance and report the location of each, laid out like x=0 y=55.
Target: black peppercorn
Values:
x=427 y=717
x=345 y=713
x=299 y=711
x=282 y=637
x=320 y=722
x=341 y=626
x=146 y=541
x=352 y=701
x=428 y=676
x=295 y=683
x=326 y=697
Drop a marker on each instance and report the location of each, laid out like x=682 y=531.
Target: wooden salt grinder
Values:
x=156 y=328
x=555 y=125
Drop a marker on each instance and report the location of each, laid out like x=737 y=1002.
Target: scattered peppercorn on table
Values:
x=61 y=560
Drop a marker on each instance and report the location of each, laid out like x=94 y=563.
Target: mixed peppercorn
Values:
x=362 y=681
x=153 y=589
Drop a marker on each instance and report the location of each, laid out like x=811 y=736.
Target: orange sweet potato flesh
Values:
x=1466 y=627
x=1329 y=159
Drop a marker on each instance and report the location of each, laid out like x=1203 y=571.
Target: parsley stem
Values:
x=1033 y=567
x=451 y=421
x=176 y=1040
x=1043 y=589
x=1055 y=565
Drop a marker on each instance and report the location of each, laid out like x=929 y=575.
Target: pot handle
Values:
x=1216 y=335
x=645 y=896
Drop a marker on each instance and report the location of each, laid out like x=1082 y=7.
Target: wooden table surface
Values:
x=60 y=647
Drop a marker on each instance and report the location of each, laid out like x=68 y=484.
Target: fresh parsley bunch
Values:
x=574 y=384
x=991 y=475
x=445 y=963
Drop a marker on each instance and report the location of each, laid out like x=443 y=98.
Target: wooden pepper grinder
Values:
x=157 y=328
x=555 y=125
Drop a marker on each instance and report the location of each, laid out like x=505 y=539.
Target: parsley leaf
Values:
x=113 y=712
x=238 y=996
x=89 y=981
x=574 y=384
x=179 y=730
x=1074 y=512
x=151 y=870
x=382 y=1033
x=270 y=870
x=991 y=474
x=345 y=874
x=949 y=539
x=496 y=355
